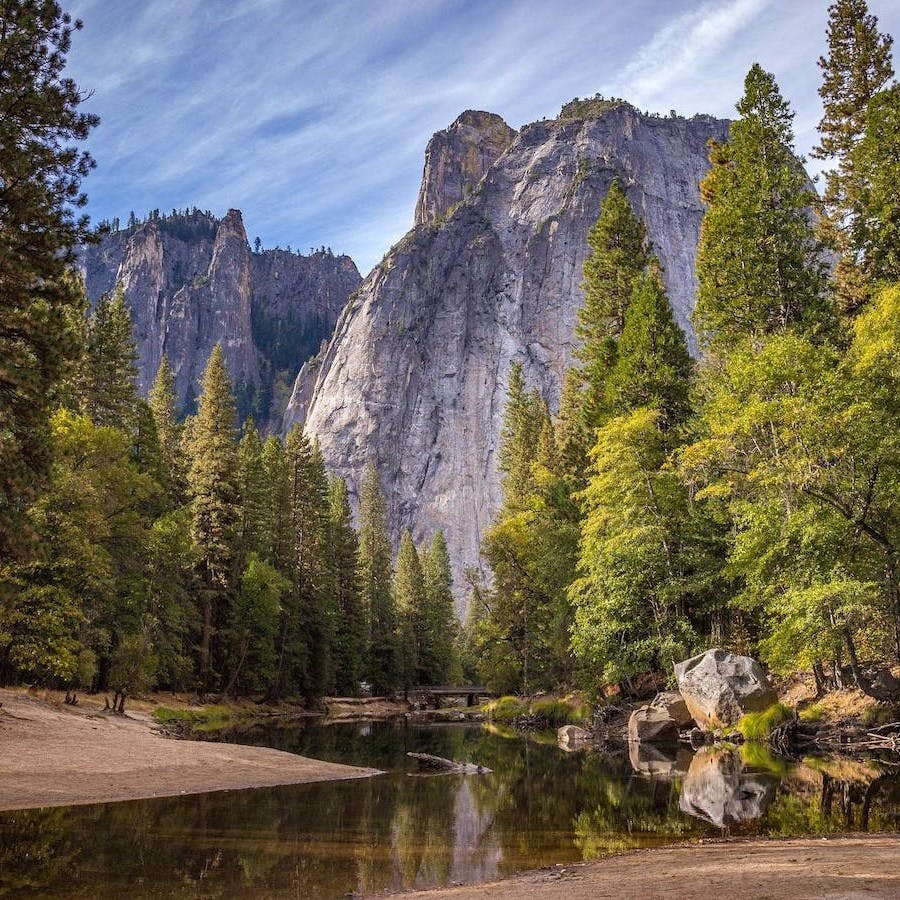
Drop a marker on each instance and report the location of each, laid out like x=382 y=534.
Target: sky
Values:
x=312 y=117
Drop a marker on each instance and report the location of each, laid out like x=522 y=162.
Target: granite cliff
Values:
x=192 y=281
x=415 y=376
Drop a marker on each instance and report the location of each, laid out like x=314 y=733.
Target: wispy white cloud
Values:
x=683 y=47
x=312 y=115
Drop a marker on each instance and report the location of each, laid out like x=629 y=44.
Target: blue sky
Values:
x=312 y=117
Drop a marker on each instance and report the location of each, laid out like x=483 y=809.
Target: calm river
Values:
x=540 y=806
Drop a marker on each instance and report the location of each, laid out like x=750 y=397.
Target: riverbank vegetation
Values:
x=747 y=499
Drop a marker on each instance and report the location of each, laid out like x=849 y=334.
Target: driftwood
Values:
x=842 y=739
x=427 y=761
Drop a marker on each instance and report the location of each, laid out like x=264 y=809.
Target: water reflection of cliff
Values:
x=540 y=806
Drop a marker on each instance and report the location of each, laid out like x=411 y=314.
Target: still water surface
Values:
x=540 y=806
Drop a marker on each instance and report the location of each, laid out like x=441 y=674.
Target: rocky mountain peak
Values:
x=457 y=158
x=415 y=377
x=192 y=281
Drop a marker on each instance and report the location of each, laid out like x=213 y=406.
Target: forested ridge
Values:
x=749 y=499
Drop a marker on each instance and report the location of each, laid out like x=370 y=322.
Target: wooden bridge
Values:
x=438 y=691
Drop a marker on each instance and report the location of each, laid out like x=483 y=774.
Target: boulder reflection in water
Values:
x=720 y=789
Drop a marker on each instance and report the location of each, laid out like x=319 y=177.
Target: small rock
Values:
x=673 y=703
x=571 y=737
x=655 y=726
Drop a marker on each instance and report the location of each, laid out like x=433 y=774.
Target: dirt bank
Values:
x=855 y=866
x=57 y=755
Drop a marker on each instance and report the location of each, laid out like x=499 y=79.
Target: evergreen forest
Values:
x=747 y=498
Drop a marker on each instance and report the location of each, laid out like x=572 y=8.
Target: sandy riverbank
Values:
x=856 y=866
x=57 y=755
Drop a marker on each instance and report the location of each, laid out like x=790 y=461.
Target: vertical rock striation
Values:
x=415 y=377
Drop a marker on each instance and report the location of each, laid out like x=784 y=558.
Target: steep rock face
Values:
x=191 y=282
x=456 y=160
x=415 y=377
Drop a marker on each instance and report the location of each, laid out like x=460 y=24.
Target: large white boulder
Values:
x=719 y=687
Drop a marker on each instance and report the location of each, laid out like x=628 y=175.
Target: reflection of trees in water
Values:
x=538 y=807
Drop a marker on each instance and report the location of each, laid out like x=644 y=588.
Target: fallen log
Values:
x=427 y=761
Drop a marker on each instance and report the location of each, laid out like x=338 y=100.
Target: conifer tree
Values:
x=518 y=436
x=277 y=540
x=619 y=253
x=215 y=503
x=875 y=230
x=41 y=170
x=759 y=266
x=375 y=581
x=305 y=647
x=253 y=491
x=857 y=67
x=109 y=390
x=162 y=402
x=350 y=625
x=438 y=645
x=653 y=366
x=408 y=589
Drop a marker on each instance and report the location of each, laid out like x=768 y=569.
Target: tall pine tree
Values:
x=215 y=505
x=109 y=389
x=440 y=626
x=41 y=169
x=162 y=402
x=408 y=590
x=857 y=67
x=350 y=624
x=759 y=265
x=375 y=575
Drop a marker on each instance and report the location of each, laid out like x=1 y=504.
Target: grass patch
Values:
x=879 y=714
x=813 y=713
x=506 y=709
x=195 y=720
x=544 y=712
x=758 y=726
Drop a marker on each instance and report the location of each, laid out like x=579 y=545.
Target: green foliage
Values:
x=638 y=578
x=506 y=709
x=375 y=575
x=254 y=626
x=759 y=266
x=409 y=597
x=107 y=384
x=437 y=649
x=813 y=713
x=162 y=402
x=214 y=491
x=652 y=367
x=349 y=618
x=759 y=725
x=857 y=67
x=41 y=169
x=875 y=229
x=552 y=712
